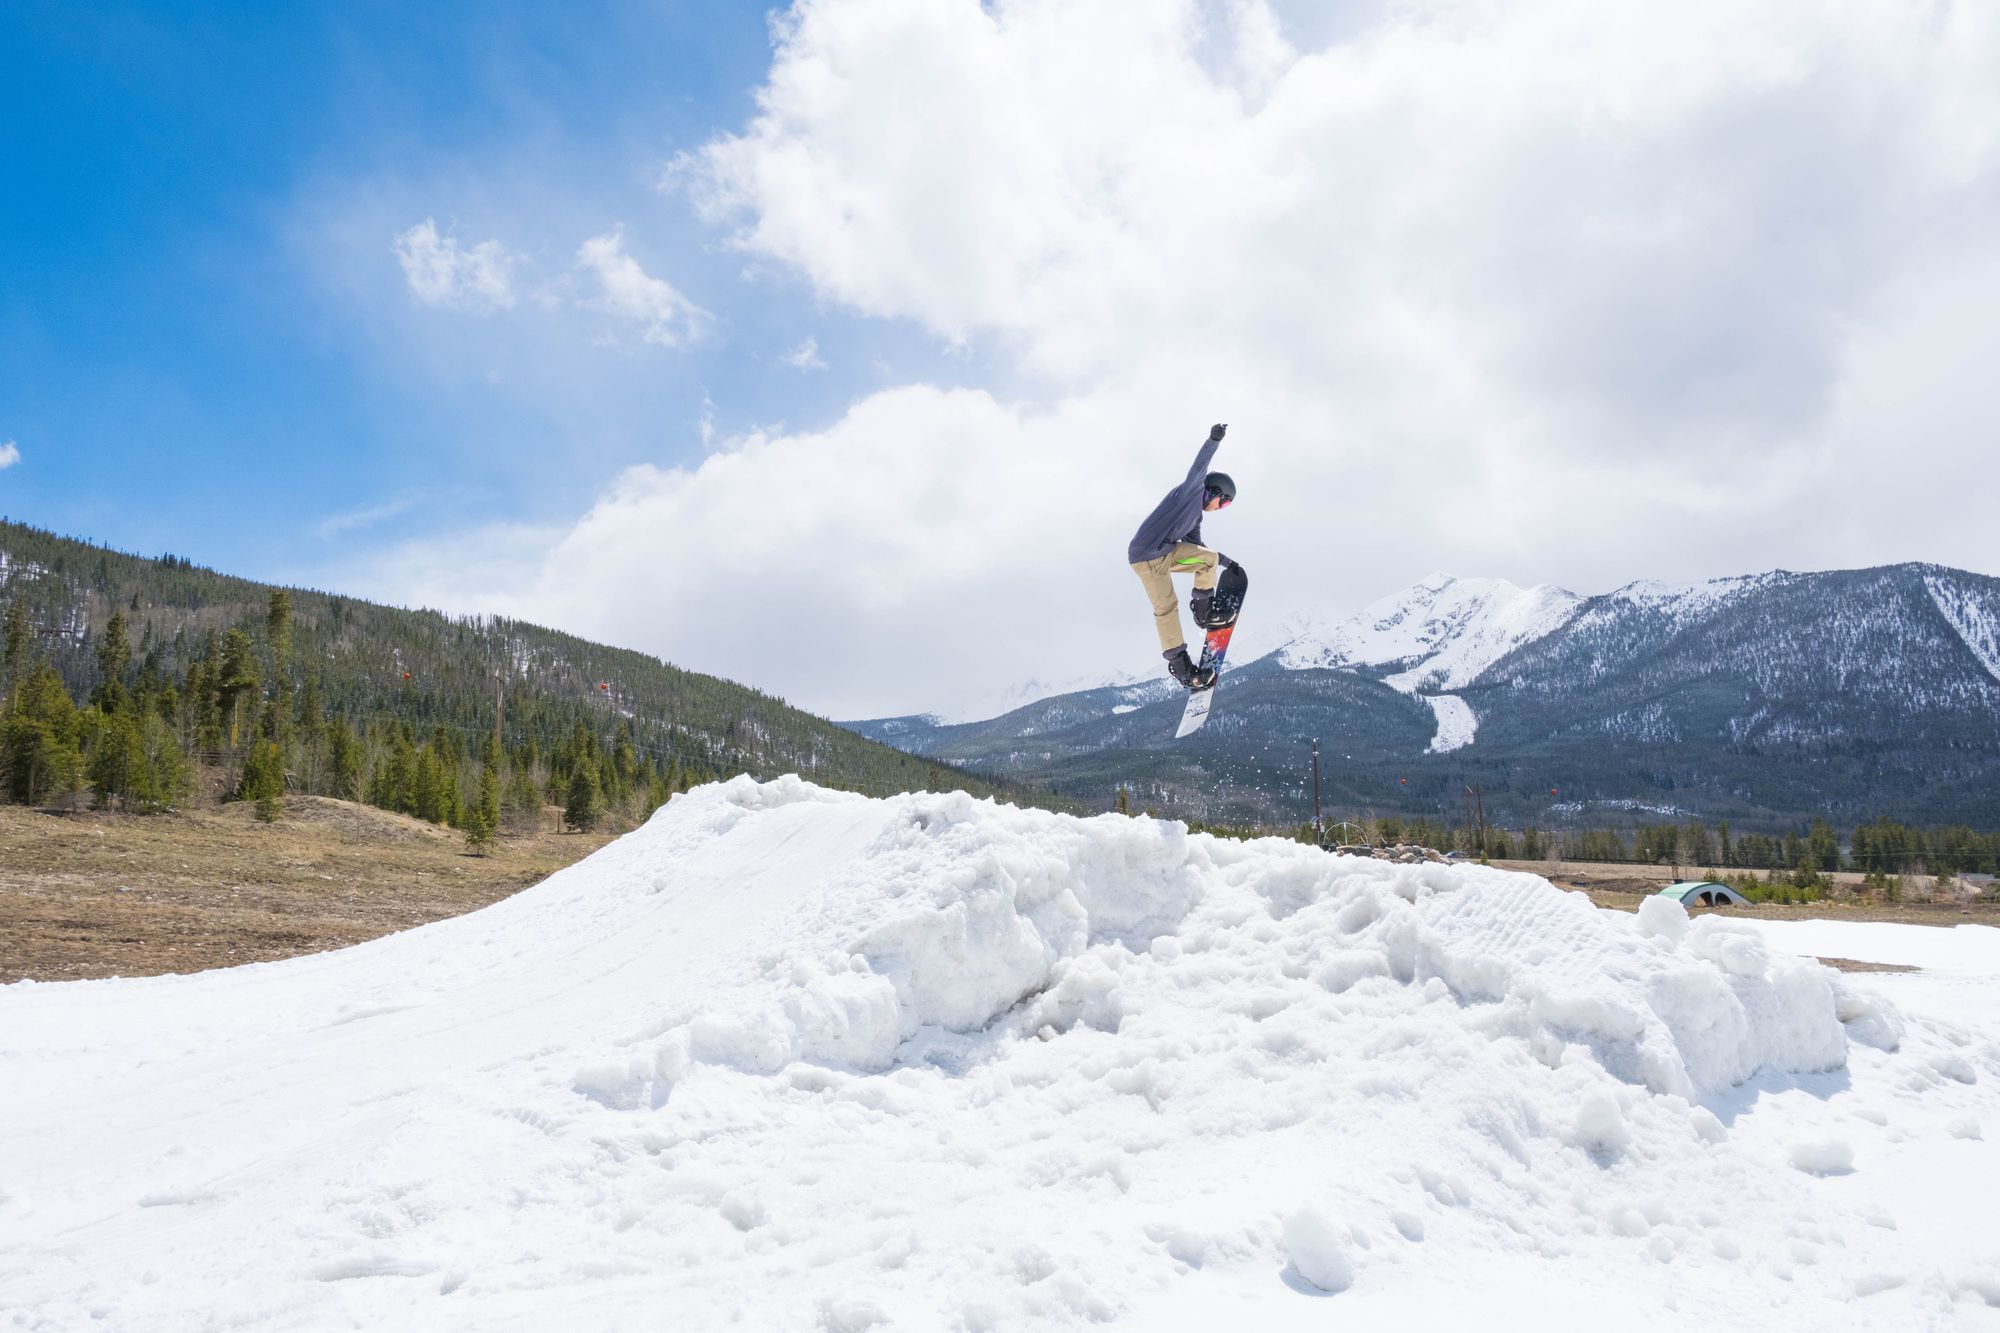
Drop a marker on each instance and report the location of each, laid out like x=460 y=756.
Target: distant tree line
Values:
x=140 y=684
x=1882 y=846
x=1878 y=850
x=138 y=742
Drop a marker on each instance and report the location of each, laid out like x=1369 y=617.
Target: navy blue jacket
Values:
x=1177 y=518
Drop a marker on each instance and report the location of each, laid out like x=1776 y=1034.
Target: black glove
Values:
x=1216 y=432
x=1224 y=561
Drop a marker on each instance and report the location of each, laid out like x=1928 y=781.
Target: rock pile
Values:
x=1405 y=852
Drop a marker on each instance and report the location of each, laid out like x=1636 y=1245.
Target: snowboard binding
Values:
x=1213 y=609
x=1182 y=668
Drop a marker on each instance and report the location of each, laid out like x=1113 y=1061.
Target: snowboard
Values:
x=1229 y=590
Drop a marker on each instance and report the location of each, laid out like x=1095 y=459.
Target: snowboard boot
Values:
x=1213 y=611
x=1210 y=611
x=1182 y=668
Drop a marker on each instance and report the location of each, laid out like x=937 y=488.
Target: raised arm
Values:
x=1206 y=455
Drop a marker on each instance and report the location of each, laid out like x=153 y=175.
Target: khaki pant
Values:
x=1157 y=574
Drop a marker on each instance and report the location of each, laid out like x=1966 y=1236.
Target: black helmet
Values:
x=1219 y=483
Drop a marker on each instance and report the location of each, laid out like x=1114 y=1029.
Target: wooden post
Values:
x=1319 y=824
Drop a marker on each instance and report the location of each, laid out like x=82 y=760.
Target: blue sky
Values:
x=206 y=345
x=838 y=349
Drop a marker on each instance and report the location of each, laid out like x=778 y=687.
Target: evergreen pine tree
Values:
x=234 y=681
x=167 y=775
x=114 y=654
x=40 y=748
x=278 y=633
x=524 y=798
x=344 y=759
x=311 y=731
x=624 y=762
x=585 y=804
x=18 y=633
x=484 y=820
x=443 y=798
x=264 y=779
x=1822 y=847
x=420 y=794
x=118 y=764
x=197 y=700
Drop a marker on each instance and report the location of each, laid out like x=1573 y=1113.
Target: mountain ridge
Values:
x=1765 y=696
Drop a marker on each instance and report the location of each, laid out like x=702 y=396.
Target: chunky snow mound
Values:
x=789 y=1058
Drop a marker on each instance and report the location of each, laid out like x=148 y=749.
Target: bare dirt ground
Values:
x=101 y=895
x=1624 y=887
x=1610 y=884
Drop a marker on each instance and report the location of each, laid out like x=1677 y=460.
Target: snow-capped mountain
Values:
x=1026 y=692
x=1766 y=695
x=1440 y=633
x=1436 y=635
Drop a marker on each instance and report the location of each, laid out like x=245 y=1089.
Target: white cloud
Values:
x=823 y=565
x=335 y=524
x=10 y=454
x=626 y=290
x=440 y=273
x=805 y=356
x=603 y=280
x=1545 y=290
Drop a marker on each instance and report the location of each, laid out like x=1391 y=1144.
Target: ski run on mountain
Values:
x=786 y=1058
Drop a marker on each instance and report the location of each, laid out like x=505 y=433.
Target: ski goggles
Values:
x=1226 y=499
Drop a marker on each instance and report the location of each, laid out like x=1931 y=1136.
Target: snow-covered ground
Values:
x=787 y=1058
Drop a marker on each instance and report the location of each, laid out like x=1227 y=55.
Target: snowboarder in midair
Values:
x=1169 y=543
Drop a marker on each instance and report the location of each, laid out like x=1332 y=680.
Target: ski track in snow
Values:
x=1974 y=623
x=1457 y=724
x=788 y=1058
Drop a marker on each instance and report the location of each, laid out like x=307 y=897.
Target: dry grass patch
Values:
x=99 y=895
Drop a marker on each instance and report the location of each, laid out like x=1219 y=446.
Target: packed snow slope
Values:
x=788 y=1058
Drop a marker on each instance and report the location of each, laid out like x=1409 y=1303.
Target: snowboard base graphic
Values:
x=1228 y=601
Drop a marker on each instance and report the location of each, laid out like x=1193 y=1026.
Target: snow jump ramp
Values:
x=791 y=1058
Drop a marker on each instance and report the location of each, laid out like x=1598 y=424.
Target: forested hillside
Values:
x=138 y=682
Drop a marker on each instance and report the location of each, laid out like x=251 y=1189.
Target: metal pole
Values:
x=1319 y=825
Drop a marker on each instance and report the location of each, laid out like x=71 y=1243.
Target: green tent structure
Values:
x=1704 y=893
